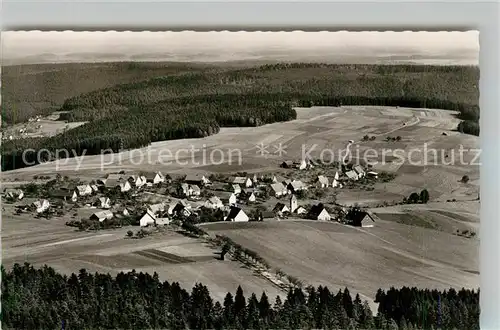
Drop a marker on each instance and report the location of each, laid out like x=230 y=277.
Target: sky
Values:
x=33 y=46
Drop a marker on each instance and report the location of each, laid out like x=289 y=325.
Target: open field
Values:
x=317 y=128
x=173 y=256
x=364 y=259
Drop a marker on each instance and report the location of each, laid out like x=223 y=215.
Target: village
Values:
x=302 y=190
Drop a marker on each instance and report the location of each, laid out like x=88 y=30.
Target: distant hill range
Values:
x=258 y=57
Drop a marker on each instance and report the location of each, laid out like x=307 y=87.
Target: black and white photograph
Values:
x=240 y=180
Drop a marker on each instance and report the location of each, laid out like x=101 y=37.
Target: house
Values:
x=137 y=181
x=195 y=190
x=84 y=190
x=279 y=189
x=281 y=208
x=322 y=181
x=305 y=165
x=236 y=215
x=248 y=183
x=300 y=210
x=251 y=198
x=117 y=184
x=124 y=186
x=155 y=178
x=335 y=181
x=293 y=203
x=296 y=185
x=287 y=164
x=359 y=170
x=352 y=175
x=236 y=189
x=255 y=179
x=238 y=180
x=232 y=199
x=197 y=179
x=318 y=212
x=372 y=174
x=102 y=215
x=148 y=218
x=66 y=195
x=185 y=189
x=181 y=207
x=41 y=205
x=214 y=203
x=104 y=203
x=94 y=188
x=356 y=217
x=266 y=215
x=13 y=194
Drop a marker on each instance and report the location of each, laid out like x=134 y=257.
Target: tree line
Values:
x=193 y=105
x=41 y=298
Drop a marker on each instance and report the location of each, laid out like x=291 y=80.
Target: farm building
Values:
x=66 y=195
x=84 y=190
x=280 y=208
x=266 y=215
x=296 y=185
x=322 y=181
x=287 y=164
x=195 y=190
x=360 y=171
x=104 y=203
x=236 y=215
x=279 y=189
x=197 y=179
x=41 y=205
x=148 y=218
x=214 y=202
x=318 y=212
x=102 y=215
x=162 y=221
x=352 y=175
x=358 y=218
x=13 y=193
x=236 y=189
x=293 y=203
x=238 y=180
x=94 y=188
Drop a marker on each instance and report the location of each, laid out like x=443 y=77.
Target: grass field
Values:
x=173 y=256
x=364 y=259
